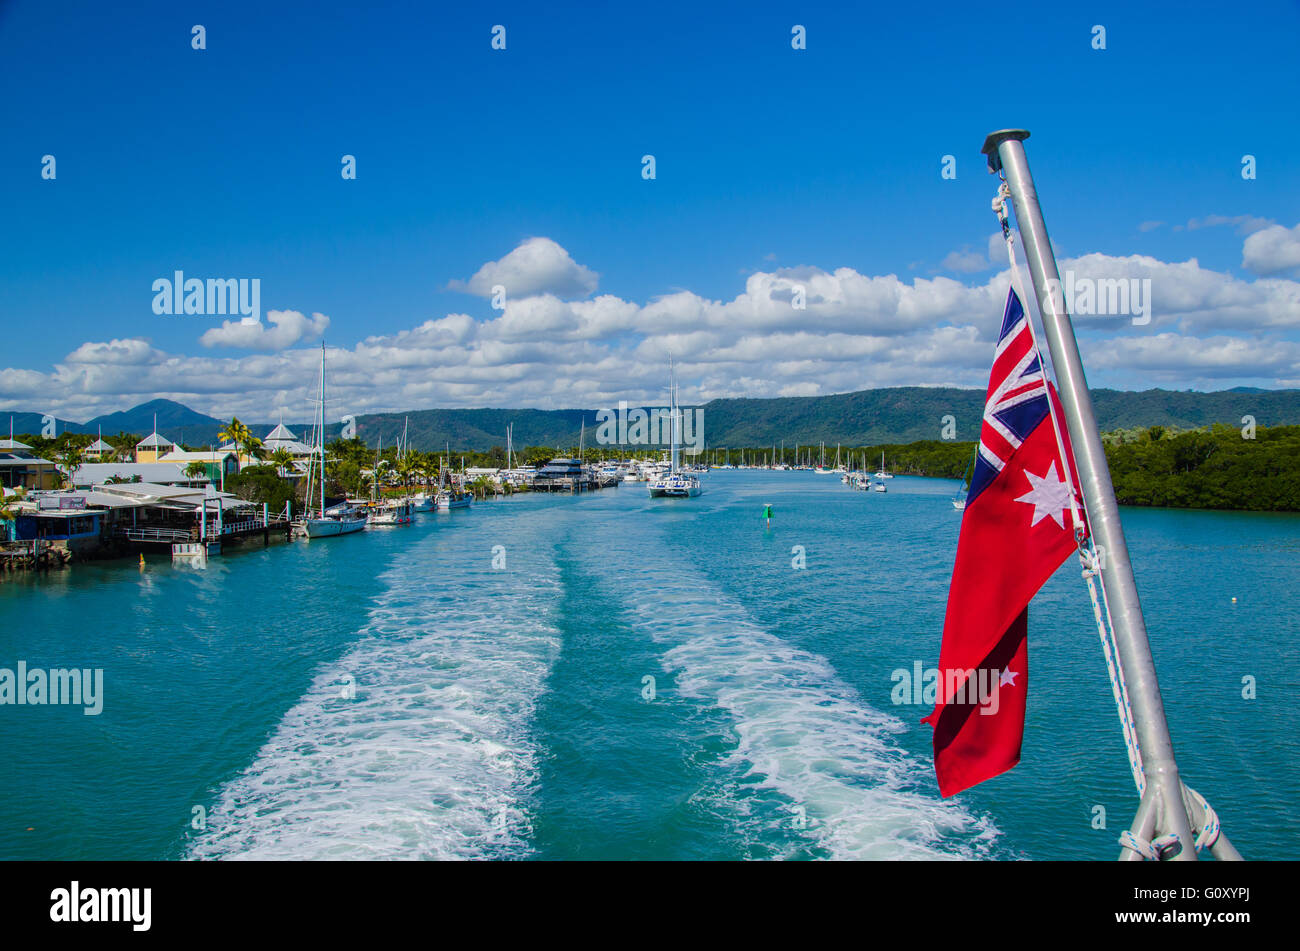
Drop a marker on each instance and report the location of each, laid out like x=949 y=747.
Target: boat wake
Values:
x=417 y=743
x=808 y=762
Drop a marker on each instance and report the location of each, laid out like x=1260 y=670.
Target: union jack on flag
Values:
x=1016 y=530
x=1017 y=397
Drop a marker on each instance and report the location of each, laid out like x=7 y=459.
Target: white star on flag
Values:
x=1048 y=494
x=1007 y=676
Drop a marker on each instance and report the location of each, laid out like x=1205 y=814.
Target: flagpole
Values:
x=1006 y=153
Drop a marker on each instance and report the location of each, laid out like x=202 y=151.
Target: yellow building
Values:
x=153 y=446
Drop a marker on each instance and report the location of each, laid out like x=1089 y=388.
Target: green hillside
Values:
x=894 y=415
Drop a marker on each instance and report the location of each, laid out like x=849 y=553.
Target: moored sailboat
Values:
x=675 y=484
x=344 y=518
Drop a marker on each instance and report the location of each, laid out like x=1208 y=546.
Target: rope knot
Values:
x=1152 y=850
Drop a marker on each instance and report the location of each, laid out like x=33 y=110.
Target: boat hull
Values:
x=329 y=527
x=674 y=489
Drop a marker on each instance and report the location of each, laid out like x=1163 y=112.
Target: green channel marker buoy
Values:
x=767 y=514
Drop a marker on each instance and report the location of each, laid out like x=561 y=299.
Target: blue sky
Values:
x=225 y=162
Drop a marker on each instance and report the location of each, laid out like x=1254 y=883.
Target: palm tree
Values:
x=282 y=459
x=69 y=459
x=246 y=444
x=234 y=432
x=253 y=448
x=196 y=470
x=409 y=467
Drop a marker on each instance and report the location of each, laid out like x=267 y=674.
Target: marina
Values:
x=757 y=479
x=775 y=687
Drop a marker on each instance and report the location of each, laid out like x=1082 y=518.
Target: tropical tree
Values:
x=253 y=448
x=69 y=458
x=282 y=459
x=245 y=442
x=234 y=432
x=482 y=486
x=196 y=470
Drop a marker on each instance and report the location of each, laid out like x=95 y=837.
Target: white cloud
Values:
x=1209 y=330
x=287 y=327
x=537 y=266
x=1245 y=224
x=131 y=352
x=997 y=249
x=1273 y=250
x=965 y=261
x=1192 y=298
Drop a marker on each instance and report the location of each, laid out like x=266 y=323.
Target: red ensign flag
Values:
x=1016 y=531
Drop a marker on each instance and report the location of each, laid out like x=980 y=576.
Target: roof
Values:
x=13 y=444
x=171 y=496
x=99 y=446
x=161 y=473
x=293 y=445
x=177 y=455
x=281 y=433
x=152 y=440
x=14 y=459
x=93 y=499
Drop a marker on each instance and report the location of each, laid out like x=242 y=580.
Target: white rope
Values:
x=1208 y=825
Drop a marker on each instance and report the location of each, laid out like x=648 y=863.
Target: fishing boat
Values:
x=341 y=519
x=454 y=498
x=424 y=502
x=392 y=512
x=675 y=484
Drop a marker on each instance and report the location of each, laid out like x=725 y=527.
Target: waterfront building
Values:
x=157 y=473
x=217 y=463
x=20 y=468
x=98 y=449
x=152 y=446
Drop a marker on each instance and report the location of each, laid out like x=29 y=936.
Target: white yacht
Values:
x=675 y=484
x=882 y=474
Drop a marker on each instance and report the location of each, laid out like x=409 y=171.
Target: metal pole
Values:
x=1005 y=152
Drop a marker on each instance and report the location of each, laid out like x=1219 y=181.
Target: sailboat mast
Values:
x=320 y=429
x=672 y=413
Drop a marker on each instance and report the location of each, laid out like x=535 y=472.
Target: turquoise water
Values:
x=641 y=680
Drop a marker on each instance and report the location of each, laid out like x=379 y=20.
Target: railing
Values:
x=155 y=535
x=192 y=535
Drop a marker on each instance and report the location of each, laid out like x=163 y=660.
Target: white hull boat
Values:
x=679 y=486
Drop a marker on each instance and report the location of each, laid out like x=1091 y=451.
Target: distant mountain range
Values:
x=867 y=417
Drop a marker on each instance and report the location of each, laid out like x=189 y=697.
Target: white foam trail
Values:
x=802 y=732
x=433 y=757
